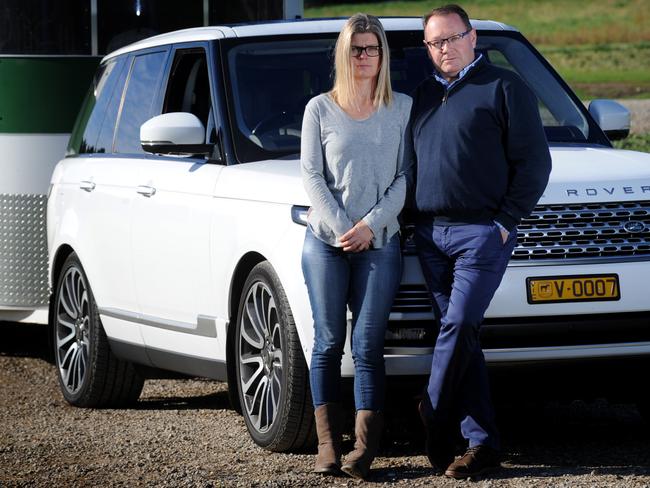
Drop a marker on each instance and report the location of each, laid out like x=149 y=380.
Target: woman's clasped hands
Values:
x=358 y=238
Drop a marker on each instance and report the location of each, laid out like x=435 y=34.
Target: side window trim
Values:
x=223 y=149
x=129 y=66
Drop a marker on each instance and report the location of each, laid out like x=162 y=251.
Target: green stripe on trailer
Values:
x=43 y=94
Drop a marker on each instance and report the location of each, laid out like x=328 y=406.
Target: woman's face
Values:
x=364 y=66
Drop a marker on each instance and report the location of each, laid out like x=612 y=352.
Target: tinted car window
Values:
x=563 y=120
x=271 y=83
x=102 y=101
x=188 y=89
x=106 y=134
x=138 y=101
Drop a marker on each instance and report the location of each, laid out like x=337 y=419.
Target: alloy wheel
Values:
x=260 y=356
x=72 y=330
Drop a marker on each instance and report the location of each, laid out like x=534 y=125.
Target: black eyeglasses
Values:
x=439 y=44
x=371 y=51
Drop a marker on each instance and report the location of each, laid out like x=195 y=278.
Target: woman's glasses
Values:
x=371 y=51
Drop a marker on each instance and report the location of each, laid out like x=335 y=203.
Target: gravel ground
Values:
x=184 y=433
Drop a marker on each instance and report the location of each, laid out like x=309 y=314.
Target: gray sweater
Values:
x=354 y=169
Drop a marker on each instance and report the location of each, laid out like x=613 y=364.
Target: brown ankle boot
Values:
x=328 y=428
x=367 y=430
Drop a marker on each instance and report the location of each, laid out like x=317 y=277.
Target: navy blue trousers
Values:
x=463 y=266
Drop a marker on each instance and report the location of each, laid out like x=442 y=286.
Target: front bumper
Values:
x=517 y=332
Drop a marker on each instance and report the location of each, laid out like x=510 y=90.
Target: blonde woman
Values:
x=351 y=157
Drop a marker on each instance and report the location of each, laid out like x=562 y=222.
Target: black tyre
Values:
x=643 y=405
x=273 y=381
x=89 y=374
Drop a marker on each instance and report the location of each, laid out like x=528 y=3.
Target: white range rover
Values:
x=176 y=223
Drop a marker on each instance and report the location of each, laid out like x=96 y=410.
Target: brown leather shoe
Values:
x=439 y=445
x=328 y=428
x=368 y=425
x=475 y=462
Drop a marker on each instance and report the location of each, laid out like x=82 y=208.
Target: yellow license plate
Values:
x=585 y=288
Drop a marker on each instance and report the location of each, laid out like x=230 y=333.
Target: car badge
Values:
x=634 y=226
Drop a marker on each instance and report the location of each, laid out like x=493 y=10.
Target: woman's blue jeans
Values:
x=366 y=282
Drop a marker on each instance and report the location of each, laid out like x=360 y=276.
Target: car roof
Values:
x=278 y=28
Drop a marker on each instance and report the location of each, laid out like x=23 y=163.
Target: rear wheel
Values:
x=273 y=380
x=89 y=374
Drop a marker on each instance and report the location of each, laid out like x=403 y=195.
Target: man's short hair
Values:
x=450 y=9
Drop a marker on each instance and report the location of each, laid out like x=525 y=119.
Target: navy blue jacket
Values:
x=480 y=149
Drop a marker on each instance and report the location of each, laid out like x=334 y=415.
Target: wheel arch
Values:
x=61 y=255
x=295 y=431
x=243 y=268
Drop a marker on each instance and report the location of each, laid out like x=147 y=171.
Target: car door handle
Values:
x=147 y=191
x=87 y=185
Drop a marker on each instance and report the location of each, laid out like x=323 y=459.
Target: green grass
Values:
x=556 y=22
x=617 y=70
x=635 y=142
x=602 y=47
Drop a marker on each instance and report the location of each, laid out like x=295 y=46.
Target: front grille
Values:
x=571 y=231
x=584 y=231
x=412 y=299
x=411 y=322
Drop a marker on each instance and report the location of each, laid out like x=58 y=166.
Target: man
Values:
x=482 y=162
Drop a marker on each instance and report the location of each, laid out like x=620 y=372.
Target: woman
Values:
x=351 y=157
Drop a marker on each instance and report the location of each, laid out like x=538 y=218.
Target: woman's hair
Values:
x=343 y=91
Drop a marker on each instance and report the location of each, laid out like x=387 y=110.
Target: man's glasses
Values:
x=371 y=51
x=439 y=44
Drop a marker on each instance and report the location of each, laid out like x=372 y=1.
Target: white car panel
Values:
x=171 y=238
x=105 y=196
x=122 y=330
x=582 y=174
x=276 y=181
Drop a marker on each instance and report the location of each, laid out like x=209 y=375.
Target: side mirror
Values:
x=612 y=117
x=178 y=133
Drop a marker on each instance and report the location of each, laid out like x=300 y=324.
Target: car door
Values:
x=111 y=188
x=106 y=191
x=171 y=225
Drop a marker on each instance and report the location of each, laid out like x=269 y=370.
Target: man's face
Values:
x=453 y=56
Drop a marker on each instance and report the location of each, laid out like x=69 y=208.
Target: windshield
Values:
x=270 y=81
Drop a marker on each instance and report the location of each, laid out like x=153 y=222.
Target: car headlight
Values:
x=299 y=214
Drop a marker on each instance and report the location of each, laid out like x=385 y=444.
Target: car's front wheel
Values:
x=273 y=380
x=89 y=374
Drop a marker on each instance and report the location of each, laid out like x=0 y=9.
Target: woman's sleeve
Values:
x=392 y=201
x=312 y=163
